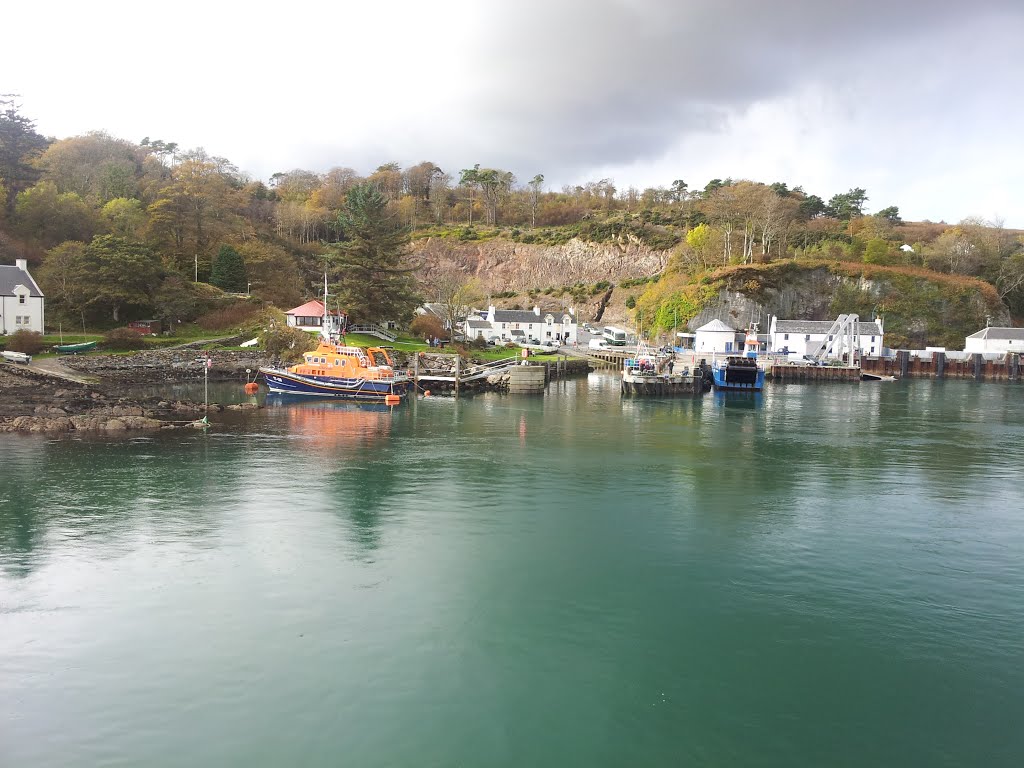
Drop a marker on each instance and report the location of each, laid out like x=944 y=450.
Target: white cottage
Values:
x=998 y=340
x=797 y=337
x=715 y=337
x=22 y=304
x=309 y=316
x=532 y=327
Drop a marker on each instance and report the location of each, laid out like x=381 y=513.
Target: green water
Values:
x=825 y=575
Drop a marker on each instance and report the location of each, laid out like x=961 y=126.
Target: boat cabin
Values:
x=346 y=362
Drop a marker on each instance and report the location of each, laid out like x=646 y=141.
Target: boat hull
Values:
x=729 y=379
x=364 y=390
x=74 y=349
x=16 y=357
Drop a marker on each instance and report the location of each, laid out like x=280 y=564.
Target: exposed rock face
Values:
x=502 y=265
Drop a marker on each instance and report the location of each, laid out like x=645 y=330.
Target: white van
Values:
x=598 y=344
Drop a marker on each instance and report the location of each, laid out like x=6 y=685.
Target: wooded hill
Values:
x=116 y=229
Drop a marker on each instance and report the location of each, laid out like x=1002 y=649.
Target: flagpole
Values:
x=206 y=391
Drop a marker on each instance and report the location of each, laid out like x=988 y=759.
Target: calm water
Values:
x=826 y=575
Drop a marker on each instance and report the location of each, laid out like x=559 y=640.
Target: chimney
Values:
x=536 y=310
x=490 y=314
x=21 y=264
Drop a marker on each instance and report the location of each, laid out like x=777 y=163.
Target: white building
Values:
x=21 y=302
x=309 y=316
x=798 y=337
x=530 y=327
x=999 y=340
x=715 y=337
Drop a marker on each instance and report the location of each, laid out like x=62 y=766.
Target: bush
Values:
x=29 y=342
x=426 y=325
x=123 y=339
x=630 y=302
x=289 y=344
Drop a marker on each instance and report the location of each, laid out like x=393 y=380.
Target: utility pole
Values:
x=197 y=267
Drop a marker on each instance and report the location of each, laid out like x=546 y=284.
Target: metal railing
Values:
x=373 y=330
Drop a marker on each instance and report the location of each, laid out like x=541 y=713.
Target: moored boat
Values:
x=16 y=357
x=74 y=349
x=739 y=374
x=337 y=370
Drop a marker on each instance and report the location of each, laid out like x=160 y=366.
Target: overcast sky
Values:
x=918 y=101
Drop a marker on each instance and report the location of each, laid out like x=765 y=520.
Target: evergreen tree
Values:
x=228 y=272
x=375 y=283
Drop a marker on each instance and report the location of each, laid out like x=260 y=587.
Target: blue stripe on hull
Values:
x=349 y=389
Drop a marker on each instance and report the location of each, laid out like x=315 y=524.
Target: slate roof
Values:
x=1014 y=334
x=821 y=327
x=517 y=316
x=11 y=276
x=474 y=323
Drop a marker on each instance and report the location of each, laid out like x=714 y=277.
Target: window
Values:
x=785 y=337
x=807 y=337
x=872 y=338
x=830 y=337
x=21 y=299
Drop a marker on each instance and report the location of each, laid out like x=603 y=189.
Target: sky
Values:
x=917 y=101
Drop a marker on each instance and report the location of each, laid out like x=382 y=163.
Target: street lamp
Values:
x=248 y=289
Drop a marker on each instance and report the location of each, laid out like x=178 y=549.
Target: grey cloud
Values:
x=600 y=82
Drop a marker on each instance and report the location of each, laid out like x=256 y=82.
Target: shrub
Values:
x=428 y=325
x=29 y=342
x=123 y=339
x=289 y=344
x=630 y=302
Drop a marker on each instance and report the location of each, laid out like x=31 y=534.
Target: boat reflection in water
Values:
x=341 y=426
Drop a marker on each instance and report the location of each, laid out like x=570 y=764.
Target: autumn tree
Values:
x=49 y=216
x=197 y=209
x=96 y=166
x=375 y=281
x=495 y=186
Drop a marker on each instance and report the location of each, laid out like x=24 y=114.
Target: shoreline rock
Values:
x=36 y=402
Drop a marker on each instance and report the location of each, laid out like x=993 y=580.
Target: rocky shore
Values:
x=34 y=401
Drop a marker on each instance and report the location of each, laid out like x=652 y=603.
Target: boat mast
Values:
x=325 y=328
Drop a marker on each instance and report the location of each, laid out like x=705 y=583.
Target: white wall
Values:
x=11 y=309
x=993 y=345
x=715 y=341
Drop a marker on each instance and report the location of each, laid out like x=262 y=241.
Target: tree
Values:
x=60 y=278
x=125 y=217
x=228 y=271
x=678 y=189
x=96 y=166
x=890 y=214
x=812 y=207
x=878 y=251
x=20 y=144
x=536 y=186
x=50 y=217
x=846 y=205
x=375 y=282
x=495 y=185
x=455 y=291
x=117 y=273
x=470 y=179
x=177 y=300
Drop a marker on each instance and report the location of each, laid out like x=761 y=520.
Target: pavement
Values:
x=51 y=366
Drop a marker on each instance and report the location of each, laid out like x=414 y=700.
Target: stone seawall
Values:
x=156 y=366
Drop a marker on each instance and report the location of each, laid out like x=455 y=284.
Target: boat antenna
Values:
x=325 y=323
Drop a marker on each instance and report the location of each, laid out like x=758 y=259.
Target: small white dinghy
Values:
x=17 y=357
x=876 y=377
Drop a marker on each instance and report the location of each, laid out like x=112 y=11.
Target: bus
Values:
x=614 y=337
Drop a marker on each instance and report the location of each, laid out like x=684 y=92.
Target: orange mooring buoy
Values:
x=426 y=393
x=392 y=399
x=251 y=388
